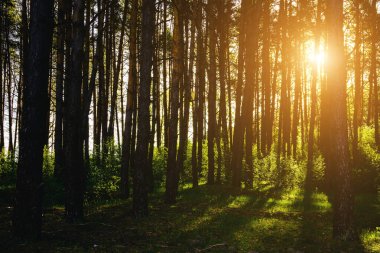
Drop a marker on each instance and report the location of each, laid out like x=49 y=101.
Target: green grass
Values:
x=209 y=218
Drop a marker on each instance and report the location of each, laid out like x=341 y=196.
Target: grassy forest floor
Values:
x=207 y=219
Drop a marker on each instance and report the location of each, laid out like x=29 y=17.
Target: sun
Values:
x=318 y=58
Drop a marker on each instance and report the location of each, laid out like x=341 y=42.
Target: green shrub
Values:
x=103 y=179
x=319 y=167
x=160 y=157
x=286 y=173
x=48 y=163
x=8 y=166
x=366 y=173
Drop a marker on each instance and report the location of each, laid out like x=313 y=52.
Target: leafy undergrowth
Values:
x=207 y=219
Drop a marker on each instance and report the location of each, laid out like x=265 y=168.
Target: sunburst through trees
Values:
x=122 y=99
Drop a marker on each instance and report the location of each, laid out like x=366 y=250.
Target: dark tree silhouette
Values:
x=27 y=215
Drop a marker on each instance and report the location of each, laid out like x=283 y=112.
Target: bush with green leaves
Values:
x=160 y=157
x=367 y=170
x=103 y=177
x=48 y=163
x=8 y=166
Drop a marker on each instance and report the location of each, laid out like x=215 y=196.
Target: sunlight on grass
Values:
x=239 y=202
x=293 y=201
x=267 y=231
x=288 y=202
x=207 y=217
x=320 y=202
x=371 y=240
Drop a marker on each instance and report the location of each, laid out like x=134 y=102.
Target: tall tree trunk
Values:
x=27 y=213
x=237 y=148
x=117 y=73
x=250 y=85
x=201 y=57
x=373 y=72
x=101 y=87
x=58 y=144
x=184 y=124
x=1 y=77
x=297 y=98
x=109 y=16
x=336 y=85
x=73 y=141
x=86 y=86
x=313 y=108
x=164 y=76
x=223 y=30
x=211 y=93
x=172 y=174
x=140 y=189
x=358 y=88
x=9 y=93
x=195 y=91
x=132 y=85
x=157 y=94
x=266 y=130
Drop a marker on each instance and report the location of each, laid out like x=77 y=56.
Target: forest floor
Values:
x=207 y=219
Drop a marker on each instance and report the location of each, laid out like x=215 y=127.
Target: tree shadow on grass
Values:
x=209 y=216
x=317 y=224
x=243 y=224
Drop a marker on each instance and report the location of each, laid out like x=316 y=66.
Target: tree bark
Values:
x=336 y=86
x=201 y=57
x=73 y=141
x=211 y=93
x=358 y=85
x=132 y=85
x=117 y=73
x=58 y=144
x=27 y=212
x=237 y=148
x=140 y=188
x=172 y=174
x=373 y=72
x=266 y=130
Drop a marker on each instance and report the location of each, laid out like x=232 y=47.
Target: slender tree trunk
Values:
x=1 y=75
x=172 y=174
x=223 y=30
x=58 y=144
x=101 y=87
x=140 y=189
x=73 y=141
x=358 y=88
x=266 y=130
x=157 y=94
x=117 y=73
x=313 y=107
x=184 y=124
x=27 y=213
x=336 y=85
x=297 y=102
x=195 y=91
x=373 y=72
x=201 y=57
x=211 y=94
x=86 y=87
x=109 y=15
x=132 y=85
x=10 y=97
x=237 y=148
x=250 y=85
x=164 y=76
